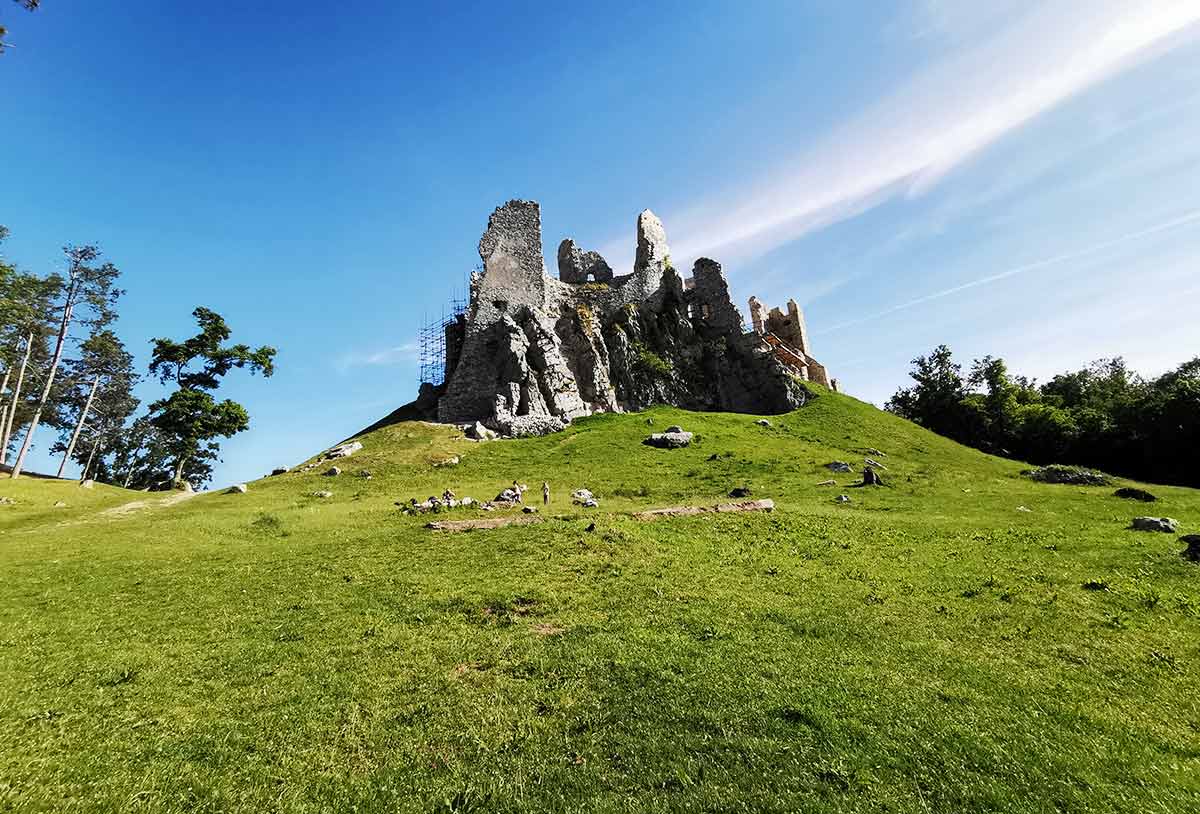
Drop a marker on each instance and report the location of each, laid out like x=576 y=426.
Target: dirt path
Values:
x=126 y=509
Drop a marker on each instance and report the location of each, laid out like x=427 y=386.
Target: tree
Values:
x=26 y=309
x=28 y=5
x=99 y=384
x=87 y=298
x=935 y=402
x=190 y=418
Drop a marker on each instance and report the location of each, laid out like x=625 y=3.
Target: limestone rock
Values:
x=652 y=248
x=740 y=491
x=1057 y=473
x=581 y=496
x=674 y=428
x=827 y=483
x=839 y=466
x=842 y=499
x=343 y=451
x=332 y=472
x=322 y=493
x=669 y=440
x=590 y=503
x=871 y=478
x=1192 y=552
x=1130 y=493
x=762 y=422
x=451 y=461
x=279 y=470
x=529 y=509
x=576 y=265
x=1163 y=524
x=7 y=501
x=236 y=489
x=58 y=504
x=480 y=432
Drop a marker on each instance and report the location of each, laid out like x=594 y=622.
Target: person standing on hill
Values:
x=545 y=493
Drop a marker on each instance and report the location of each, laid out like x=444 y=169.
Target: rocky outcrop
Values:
x=532 y=353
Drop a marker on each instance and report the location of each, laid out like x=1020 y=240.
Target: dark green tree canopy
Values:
x=190 y=419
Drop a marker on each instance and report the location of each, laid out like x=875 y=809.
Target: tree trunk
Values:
x=179 y=471
x=91 y=456
x=37 y=413
x=87 y=405
x=11 y=413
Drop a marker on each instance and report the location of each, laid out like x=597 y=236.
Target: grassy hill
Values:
x=928 y=646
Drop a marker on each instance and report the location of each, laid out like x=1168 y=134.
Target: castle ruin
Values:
x=531 y=352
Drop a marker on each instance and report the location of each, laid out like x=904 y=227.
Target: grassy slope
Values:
x=925 y=648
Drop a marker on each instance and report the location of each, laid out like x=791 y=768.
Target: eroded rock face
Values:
x=536 y=352
x=578 y=266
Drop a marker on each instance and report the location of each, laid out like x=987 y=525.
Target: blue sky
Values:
x=1014 y=178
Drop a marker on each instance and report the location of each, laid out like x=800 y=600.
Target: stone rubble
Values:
x=343 y=451
x=1192 y=552
x=1166 y=525
x=669 y=440
x=236 y=489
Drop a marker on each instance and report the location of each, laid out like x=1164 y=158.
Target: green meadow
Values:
x=961 y=639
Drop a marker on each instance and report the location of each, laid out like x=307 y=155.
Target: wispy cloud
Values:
x=398 y=355
x=1068 y=257
x=908 y=142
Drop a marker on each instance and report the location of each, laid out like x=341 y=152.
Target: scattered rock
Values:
x=87 y=484
x=839 y=466
x=488 y=523
x=467 y=501
x=279 y=470
x=842 y=499
x=827 y=483
x=322 y=493
x=236 y=489
x=7 y=501
x=765 y=505
x=508 y=496
x=591 y=503
x=58 y=504
x=480 y=432
x=762 y=422
x=581 y=496
x=343 y=451
x=1073 y=475
x=740 y=491
x=1024 y=509
x=529 y=509
x=1192 y=552
x=1130 y=493
x=332 y=472
x=590 y=527
x=364 y=474
x=875 y=452
x=1163 y=524
x=674 y=428
x=451 y=461
x=871 y=462
x=669 y=440
x=870 y=477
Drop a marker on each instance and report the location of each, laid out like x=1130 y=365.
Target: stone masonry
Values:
x=531 y=353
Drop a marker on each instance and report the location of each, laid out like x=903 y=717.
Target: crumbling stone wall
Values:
x=532 y=353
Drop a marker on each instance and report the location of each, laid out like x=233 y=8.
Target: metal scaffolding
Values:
x=431 y=342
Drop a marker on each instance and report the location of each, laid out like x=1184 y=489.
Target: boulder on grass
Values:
x=1192 y=552
x=344 y=450
x=669 y=440
x=1166 y=525
x=236 y=489
x=1130 y=493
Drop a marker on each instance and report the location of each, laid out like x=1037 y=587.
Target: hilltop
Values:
x=960 y=639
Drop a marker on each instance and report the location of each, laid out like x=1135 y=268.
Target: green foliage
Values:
x=650 y=362
x=926 y=647
x=1103 y=416
x=190 y=418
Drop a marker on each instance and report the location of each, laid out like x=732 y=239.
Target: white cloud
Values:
x=908 y=142
x=400 y=354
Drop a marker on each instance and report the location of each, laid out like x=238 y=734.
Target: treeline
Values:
x=1104 y=416
x=63 y=367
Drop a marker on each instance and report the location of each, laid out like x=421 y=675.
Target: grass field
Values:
x=926 y=647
